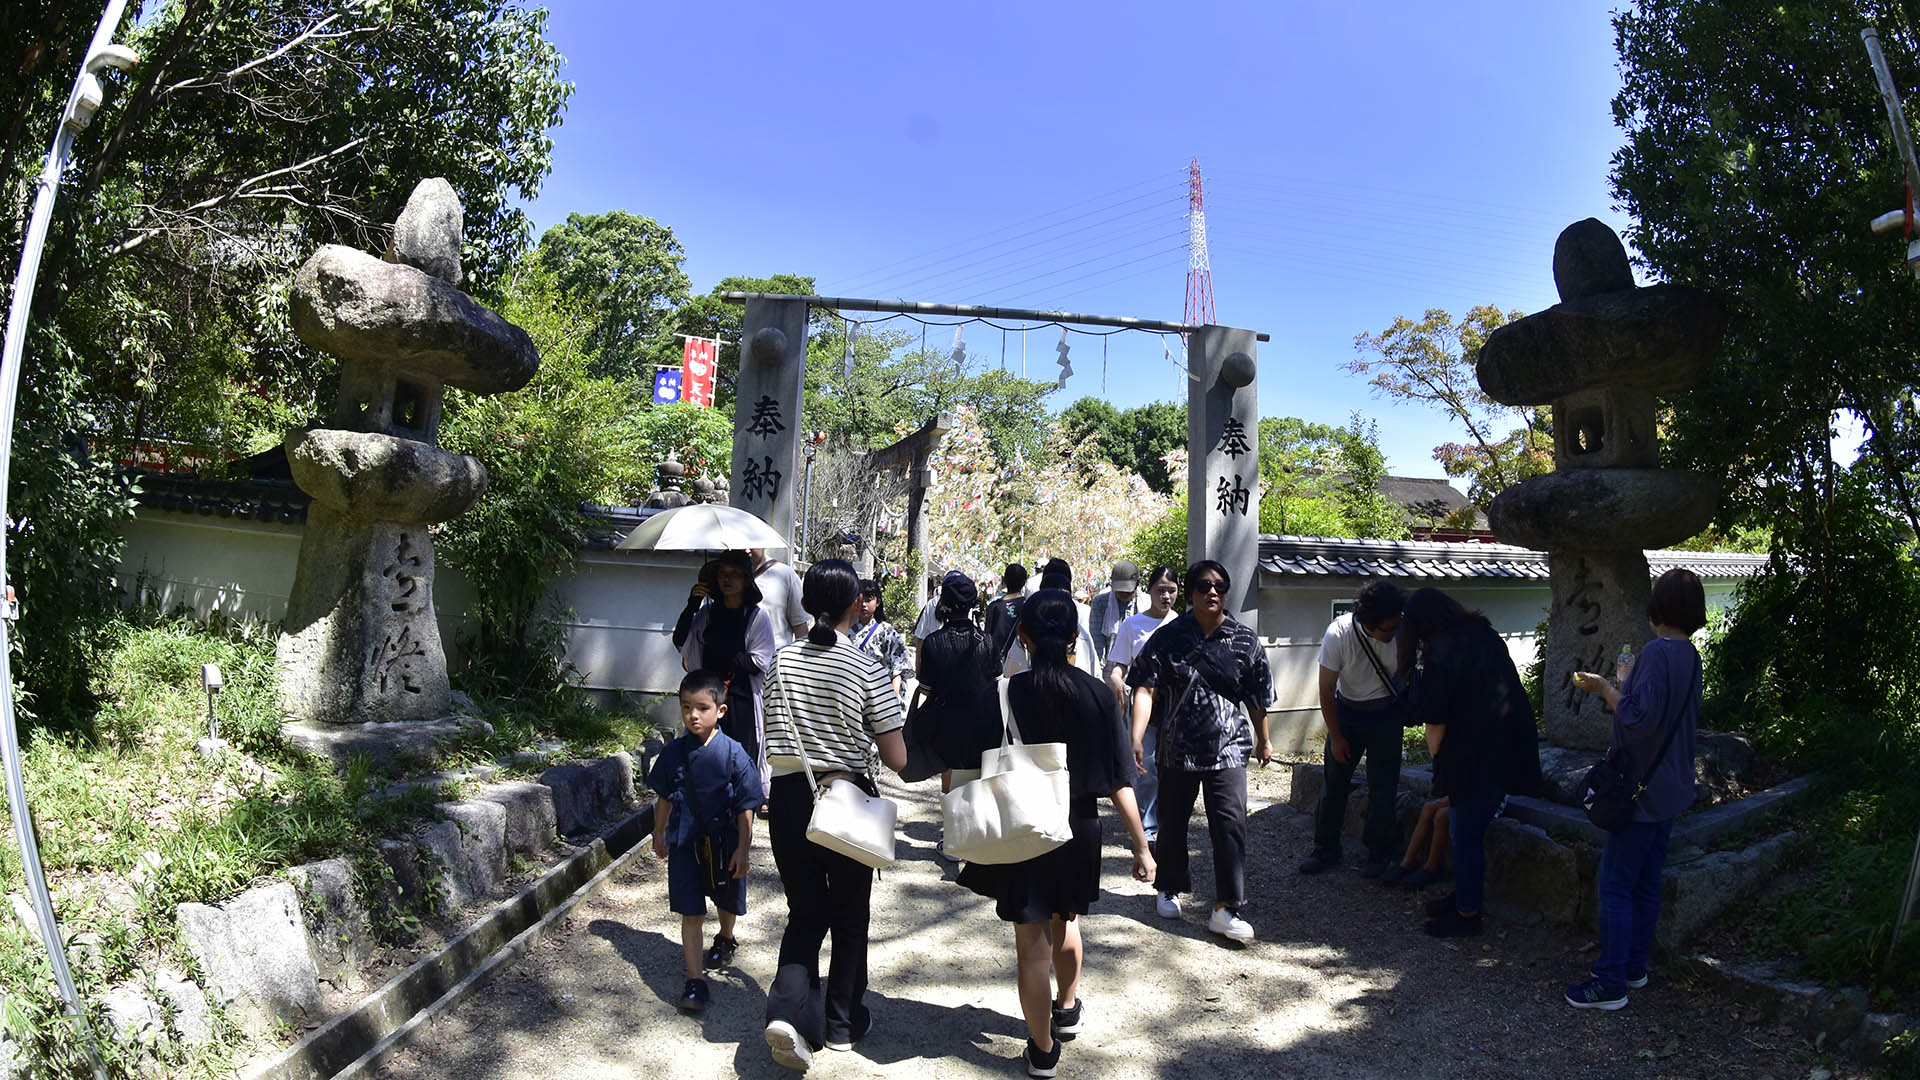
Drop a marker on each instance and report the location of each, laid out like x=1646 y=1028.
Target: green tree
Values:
x=1431 y=362
x=568 y=438
x=626 y=268
x=1136 y=439
x=892 y=387
x=251 y=133
x=1756 y=151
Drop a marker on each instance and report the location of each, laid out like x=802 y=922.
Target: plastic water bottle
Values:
x=1623 y=665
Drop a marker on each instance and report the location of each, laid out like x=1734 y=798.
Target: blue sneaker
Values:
x=1634 y=982
x=1593 y=994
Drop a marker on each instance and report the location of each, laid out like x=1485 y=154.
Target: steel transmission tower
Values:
x=1199 y=267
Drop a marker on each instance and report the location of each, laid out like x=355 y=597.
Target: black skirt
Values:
x=1063 y=882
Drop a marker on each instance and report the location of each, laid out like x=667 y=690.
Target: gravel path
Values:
x=1339 y=983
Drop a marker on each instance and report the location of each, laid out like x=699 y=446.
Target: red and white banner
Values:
x=697 y=363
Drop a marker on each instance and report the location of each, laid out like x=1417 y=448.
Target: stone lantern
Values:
x=1600 y=358
x=361 y=642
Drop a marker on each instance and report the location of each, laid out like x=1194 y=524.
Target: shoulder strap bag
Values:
x=1403 y=689
x=1610 y=794
x=845 y=818
x=1017 y=809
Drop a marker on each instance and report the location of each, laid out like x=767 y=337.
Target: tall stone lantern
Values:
x=361 y=642
x=1600 y=357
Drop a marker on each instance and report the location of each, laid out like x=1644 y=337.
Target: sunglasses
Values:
x=1211 y=585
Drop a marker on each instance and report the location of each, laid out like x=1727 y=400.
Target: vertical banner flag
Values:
x=696 y=387
x=666 y=387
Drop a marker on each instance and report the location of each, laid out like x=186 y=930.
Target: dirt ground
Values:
x=1340 y=982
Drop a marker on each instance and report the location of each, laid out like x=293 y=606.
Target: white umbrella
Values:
x=702 y=527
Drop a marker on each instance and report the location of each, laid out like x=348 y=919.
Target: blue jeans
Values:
x=1630 y=868
x=1467 y=828
x=1146 y=784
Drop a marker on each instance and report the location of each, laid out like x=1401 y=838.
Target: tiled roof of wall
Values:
x=1316 y=556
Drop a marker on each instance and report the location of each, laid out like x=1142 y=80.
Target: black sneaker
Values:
x=1593 y=994
x=721 y=955
x=846 y=1044
x=1066 y=1022
x=695 y=998
x=1317 y=862
x=1439 y=906
x=1454 y=924
x=1373 y=868
x=1395 y=874
x=1042 y=1063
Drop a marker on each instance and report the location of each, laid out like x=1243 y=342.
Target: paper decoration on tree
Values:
x=959 y=354
x=846 y=362
x=1066 y=367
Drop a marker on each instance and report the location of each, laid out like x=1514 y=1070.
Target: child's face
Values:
x=701 y=712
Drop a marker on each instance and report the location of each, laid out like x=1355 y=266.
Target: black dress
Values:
x=724 y=652
x=958 y=667
x=1066 y=880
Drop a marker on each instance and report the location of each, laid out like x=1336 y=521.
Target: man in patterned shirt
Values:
x=1192 y=678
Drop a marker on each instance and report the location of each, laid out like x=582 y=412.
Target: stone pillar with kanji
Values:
x=1601 y=357
x=1223 y=472
x=766 y=474
x=361 y=642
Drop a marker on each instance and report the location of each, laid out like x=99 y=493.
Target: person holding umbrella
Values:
x=724 y=630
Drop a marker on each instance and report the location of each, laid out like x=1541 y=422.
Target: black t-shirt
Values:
x=1099 y=746
x=1003 y=617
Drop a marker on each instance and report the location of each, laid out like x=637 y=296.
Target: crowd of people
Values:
x=1160 y=697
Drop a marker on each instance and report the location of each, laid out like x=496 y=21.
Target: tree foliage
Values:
x=626 y=268
x=1136 y=438
x=1431 y=362
x=1756 y=152
x=567 y=439
x=250 y=134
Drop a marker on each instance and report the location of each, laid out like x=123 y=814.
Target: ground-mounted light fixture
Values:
x=212 y=682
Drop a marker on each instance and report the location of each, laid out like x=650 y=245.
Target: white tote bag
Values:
x=846 y=819
x=1017 y=809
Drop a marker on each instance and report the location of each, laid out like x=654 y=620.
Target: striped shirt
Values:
x=836 y=698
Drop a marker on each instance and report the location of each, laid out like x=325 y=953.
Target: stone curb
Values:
x=1841 y=1016
x=363 y=1036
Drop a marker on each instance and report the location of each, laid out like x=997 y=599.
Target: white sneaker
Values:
x=1167 y=905
x=788 y=1047
x=1227 y=922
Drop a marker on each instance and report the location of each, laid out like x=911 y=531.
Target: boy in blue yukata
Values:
x=703 y=826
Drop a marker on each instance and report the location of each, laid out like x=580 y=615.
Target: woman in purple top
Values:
x=1661 y=695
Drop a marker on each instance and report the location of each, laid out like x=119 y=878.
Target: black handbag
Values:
x=1610 y=794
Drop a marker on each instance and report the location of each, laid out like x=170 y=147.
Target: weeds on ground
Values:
x=1840 y=923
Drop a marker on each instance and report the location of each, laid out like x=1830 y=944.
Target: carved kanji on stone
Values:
x=361 y=642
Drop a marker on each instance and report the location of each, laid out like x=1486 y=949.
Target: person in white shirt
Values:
x=1163 y=588
x=1056 y=574
x=1362 y=710
x=779 y=589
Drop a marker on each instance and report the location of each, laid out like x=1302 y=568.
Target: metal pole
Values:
x=1903 y=138
x=806 y=511
x=78 y=113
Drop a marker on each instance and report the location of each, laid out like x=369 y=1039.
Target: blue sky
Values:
x=1361 y=161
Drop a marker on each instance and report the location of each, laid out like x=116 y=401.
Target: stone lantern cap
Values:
x=364 y=309
x=1605 y=332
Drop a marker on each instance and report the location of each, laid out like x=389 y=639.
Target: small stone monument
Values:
x=361 y=642
x=1600 y=357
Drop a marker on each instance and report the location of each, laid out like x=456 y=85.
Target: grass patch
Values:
x=132 y=822
x=1837 y=921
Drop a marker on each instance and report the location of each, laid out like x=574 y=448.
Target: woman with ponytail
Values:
x=1044 y=896
x=835 y=704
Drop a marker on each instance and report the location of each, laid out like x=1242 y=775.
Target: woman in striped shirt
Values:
x=835 y=704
